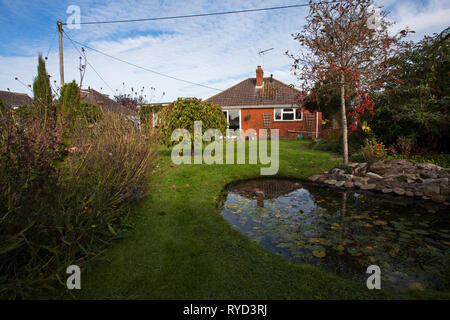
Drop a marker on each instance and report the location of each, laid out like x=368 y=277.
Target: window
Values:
x=233 y=118
x=278 y=114
x=288 y=114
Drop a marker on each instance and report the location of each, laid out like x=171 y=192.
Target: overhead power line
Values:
x=87 y=61
x=28 y=87
x=199 y=15
x=139 y=67
x=51 y=44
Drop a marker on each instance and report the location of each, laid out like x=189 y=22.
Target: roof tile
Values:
x=245 y=93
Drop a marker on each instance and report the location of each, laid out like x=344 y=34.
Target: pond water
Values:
x=344 y=232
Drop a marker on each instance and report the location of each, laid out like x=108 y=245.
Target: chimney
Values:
x=259 y=77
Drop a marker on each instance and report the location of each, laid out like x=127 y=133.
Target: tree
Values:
x=42 y=92
x=68 y=107
x=416 y=105
x=348 y=48
x=182 y=113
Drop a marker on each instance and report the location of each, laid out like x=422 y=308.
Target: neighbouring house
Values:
x=105 y=102
x=14 y=100
x=267 y=103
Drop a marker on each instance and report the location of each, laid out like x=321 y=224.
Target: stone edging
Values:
x=400 y=177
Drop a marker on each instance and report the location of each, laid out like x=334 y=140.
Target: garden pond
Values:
x=344 y=232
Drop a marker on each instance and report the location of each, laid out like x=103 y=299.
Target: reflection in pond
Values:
x=345 y=232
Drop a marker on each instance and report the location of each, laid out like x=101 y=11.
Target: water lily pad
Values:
x=319 y=254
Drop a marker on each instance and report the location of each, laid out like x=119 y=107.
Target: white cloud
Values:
x=215 y=51
x=426 y=18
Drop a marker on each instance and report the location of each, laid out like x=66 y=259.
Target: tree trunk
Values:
x=334 y=123
x=344 y=120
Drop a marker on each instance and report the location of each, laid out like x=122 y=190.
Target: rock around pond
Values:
x=343 y=232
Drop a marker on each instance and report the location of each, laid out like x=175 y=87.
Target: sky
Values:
x=216 y=51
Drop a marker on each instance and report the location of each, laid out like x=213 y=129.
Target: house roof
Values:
x=104 y=102
x=245 y=93
x=15 y=99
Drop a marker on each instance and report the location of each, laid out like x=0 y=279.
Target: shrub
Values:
x=55 y=213
x=42 y=91
x=68 y=107
x=106 y=160
x=373 y=151
x=357 y=157
x=89 y=112
x=3 y=108
x=416 y=104
x=331 y=140
x=404 y=146
x=30 y=152
x=442 y=160
x=182 y=114
x=147 y=111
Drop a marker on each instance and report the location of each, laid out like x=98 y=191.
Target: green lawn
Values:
x=190 y=252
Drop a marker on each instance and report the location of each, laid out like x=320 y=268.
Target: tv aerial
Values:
x=262 y=53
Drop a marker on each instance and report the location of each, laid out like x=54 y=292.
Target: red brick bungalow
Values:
x=262 y=103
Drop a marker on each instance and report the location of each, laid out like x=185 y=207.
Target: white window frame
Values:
x=283 y=111
x=240 y=118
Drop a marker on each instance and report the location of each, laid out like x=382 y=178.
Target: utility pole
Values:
x=61 y=60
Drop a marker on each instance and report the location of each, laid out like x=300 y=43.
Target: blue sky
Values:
x=215 y=51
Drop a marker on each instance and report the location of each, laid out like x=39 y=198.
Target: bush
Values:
x=3 y=108
x=182 y=114
x=68 y=107
x=357 y=157
x=30 y=153
x=442 y=160
x=107 y=159
x=416 y=103
x=404 y=146
x=89 y=112
x=330 y=140
x=373 y=151
x=62 y=206
x=147 y=111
